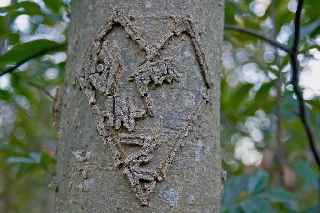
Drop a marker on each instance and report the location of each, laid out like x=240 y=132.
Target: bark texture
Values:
x=138 y=114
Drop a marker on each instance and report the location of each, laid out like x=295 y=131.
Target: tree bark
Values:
x=138 y=114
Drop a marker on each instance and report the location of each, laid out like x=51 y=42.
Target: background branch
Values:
x=279 y=154
x=295 y=82
x=293 y=52
x=259 y=35
x=40 y=53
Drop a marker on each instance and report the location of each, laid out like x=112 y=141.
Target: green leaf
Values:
x=24 y=7
x=46 y=160
x=255 y=205
x=233 y=187
x=230 y=209
x=3 y=26
x=282 y=11
x=240 y=95
x=54 y=5
x=230 y=10
x=307 y=173
x=21 y=52
x=315 y=104
x=309 y=29
x=257 y=182
x=12 y=37
x=4 y=95
x=311 y=4
x=263 y=93
x=276 y=195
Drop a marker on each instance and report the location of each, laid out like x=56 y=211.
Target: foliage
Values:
x=27 y=138
x=250 y=193
x=261 y=129
x=264 y=147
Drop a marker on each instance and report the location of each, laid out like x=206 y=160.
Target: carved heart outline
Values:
x=93 y=75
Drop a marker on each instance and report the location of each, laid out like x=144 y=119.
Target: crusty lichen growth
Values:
x=99 y=73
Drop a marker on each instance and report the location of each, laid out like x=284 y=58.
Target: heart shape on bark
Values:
x=144 y=100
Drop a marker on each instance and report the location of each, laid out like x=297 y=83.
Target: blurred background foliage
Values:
x=37 y=30
x=265 y=150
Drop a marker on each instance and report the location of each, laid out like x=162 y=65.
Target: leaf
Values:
x=255 y=205
x=3 y=26
x=306 y=172
x=54 y=5
x=257 y=182
x=315 y=105
x=309 y=29
x=46 y=160
x=233 y=187
x=22 y=52
x=240 y=95
x=309 y=5
x=282 y=11
x=12 y=37
x=230 y=10
x=5 y=95
x=230 y=209
x=24 y=7
x=263 y=93
x=276 y=195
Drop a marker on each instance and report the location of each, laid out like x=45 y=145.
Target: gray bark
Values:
x=138 y=114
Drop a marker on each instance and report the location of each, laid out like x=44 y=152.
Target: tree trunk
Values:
x=138 y=114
